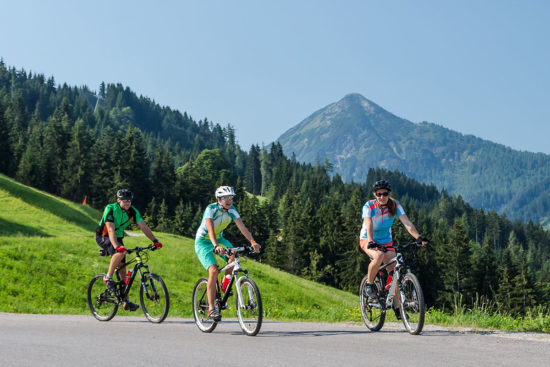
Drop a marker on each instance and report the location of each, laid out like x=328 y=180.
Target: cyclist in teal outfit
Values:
x=216 y=218
x=378 y=217
x=110 y=232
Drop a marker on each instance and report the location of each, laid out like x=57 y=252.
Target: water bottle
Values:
x=128 y=276
x=225 y=282
x=388 y=282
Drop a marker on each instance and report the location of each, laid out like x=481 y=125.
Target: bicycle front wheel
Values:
x=372 y=311
x=154 y=298
x=412 y=304
x=102 y=303
x=200 y=307
x=250 y=315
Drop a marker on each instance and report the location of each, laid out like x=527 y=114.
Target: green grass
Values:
x=48 y=255
x=479 y=317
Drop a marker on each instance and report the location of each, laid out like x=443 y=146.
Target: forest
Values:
x=85 y=145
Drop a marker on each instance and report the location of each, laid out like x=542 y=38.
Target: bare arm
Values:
x=370 y=233
x=246 y=233
x=112 y=235
x=145 y=229
x=212 y=234
x=410 y=227
x=370 y=229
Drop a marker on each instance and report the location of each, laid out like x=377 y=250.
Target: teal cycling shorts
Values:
x=203 y=249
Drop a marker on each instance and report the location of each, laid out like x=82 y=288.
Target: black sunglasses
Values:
x=380 y=194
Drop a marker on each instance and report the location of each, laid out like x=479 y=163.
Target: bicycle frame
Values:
x=236 y=265
x=124 y=289
x=398 y=273
x=396 y=276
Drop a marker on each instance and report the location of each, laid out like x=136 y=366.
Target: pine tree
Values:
x=253 y=176
x=53 y=152
x=137 y=166
x=76 y=175
x=164 y=223
x=183 y=219
x=152 y=214
x=456 y=268
x=6 y=154
x=484 y=271
x=163 y=176
x=28 y=171
x=353 y=265
x=102 y=173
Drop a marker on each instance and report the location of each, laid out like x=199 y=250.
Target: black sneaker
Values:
x=214 y=314
x=110 y=284
x=371 y=291
x=129 y=306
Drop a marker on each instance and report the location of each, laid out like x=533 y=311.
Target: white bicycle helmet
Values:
x=224 y=191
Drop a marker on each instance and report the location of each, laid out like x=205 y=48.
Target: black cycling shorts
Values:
x=105 y=243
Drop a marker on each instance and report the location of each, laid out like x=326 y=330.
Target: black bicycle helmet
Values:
x=125 y=194
x=381 y=184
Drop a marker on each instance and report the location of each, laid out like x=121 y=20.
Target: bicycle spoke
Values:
x=250 y=314
x=412 y=304
x=103 y=305
x=154 y=298
x=200 y=307
x=372 y=312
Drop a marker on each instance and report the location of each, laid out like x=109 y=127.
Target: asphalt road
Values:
x=54 y=340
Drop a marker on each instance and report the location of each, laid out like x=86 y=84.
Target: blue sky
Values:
x=477 y=67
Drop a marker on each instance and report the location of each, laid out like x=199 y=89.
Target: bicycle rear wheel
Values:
x=102 y=303
x=154 y=298
x=372 y=311
x=200 y=307
x=412 y=304
x=250 y=316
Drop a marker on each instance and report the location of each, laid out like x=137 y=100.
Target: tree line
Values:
x=75 y=143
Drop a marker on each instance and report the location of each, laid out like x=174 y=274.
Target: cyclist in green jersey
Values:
x=110 y=233
x=216 y=218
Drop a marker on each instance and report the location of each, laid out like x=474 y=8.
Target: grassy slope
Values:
x=48 y=254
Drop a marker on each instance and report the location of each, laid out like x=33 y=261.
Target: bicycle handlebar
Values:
x=397 y=248
x=151 y=247
x=229 y=251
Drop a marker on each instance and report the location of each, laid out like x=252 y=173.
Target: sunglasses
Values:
x=380 y=194
x=227 y=197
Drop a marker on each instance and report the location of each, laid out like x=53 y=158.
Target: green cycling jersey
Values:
x=121 y=219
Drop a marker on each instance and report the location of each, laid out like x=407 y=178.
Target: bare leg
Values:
x=211 y=286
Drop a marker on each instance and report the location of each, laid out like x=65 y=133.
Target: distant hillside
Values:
x=355 y=134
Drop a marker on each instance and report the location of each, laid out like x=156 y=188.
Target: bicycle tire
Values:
x=200 y=307
x=412 y=304
x=373 y=313
x=154 y=298
x=251 y=316
x=102 y=303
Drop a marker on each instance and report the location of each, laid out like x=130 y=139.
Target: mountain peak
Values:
x=356 y=99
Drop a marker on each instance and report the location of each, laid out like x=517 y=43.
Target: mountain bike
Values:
x=153 y=294
x=410 y=296
x=248 y=301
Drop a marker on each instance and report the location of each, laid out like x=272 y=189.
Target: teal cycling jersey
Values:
x=220 y=218
x=121 y=219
